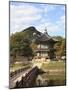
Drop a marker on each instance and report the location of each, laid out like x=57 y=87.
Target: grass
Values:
x=56 y=72
x=52 y=65
x=17 y=66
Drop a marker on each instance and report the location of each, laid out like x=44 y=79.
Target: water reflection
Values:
x=41 y=81
x=50 y=80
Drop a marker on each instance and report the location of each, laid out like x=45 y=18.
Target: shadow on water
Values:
x=40 y=81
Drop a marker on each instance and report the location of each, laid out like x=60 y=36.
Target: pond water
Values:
x=49 y=79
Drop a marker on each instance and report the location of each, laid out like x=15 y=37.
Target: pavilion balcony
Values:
x=41 y=49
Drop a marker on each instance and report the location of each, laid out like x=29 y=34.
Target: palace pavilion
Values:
x=45 y=46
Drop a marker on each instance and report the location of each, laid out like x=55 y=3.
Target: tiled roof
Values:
x=45 y=37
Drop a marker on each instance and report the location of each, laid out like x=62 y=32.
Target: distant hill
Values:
x=32 y=30
x=28 y=33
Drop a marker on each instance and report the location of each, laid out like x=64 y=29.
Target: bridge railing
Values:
x=29 y=79
x=12 y=74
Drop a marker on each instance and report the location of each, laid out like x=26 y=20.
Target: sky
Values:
x=39 y=15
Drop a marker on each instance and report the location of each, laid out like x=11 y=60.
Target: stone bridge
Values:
x=30 y=78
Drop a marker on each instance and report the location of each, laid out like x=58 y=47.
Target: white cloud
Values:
x=54 y=28
x=24 y=15
x=42 y=26
x=51 y=27
x=62 y=18
x=61 y=23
